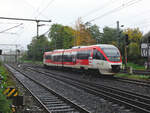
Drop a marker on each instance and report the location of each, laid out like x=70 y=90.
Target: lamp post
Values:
x=148 y=56
x=118 y=33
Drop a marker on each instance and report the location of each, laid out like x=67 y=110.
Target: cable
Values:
x=35 y=9
x=38 y=8
x=116 y=9
x=11 y=28
x=46 y=7
x=45 y=32
x=11 y=33
x=8 y=23
x=97 y=9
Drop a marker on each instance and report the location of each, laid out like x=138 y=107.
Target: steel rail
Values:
x=138 y=72
x=130 y=99
x=33 y=95
x=132 y=81
x=73 y=105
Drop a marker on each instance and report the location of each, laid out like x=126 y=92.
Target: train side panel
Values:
x=105 y=58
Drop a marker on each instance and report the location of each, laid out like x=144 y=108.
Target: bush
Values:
x=4 y=104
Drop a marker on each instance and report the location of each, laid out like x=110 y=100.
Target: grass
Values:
x=4 y=73
x=30 y=61
x=137 y=77
x=136 y=66
x=132 y=76
x=4 y=103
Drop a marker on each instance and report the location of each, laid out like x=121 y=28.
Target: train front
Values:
x=113 y=58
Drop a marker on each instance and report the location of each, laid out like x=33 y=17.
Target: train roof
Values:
x=105 y=46
x=78 y=47
x=47 y=52
x=58 y=50
x=99 y=45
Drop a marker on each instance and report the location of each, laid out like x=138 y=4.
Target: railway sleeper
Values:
x=53 y=105
x=54 y=102
x=50 y=100
x=71 y=110
x=59 y=107
x=47 y=98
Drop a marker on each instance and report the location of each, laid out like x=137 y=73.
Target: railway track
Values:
x=131 y=81
x=138 y=102
x=137 y=72
x=51 y=101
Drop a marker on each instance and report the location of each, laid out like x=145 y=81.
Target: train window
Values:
x=57 y=58
x=98 y=55
x=111 y=51
x=54 y=58
x=67 y=58
x=47 y=57
x=84 y=54
x=113 y=54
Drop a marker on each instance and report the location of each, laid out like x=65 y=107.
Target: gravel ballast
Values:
x=93 y=103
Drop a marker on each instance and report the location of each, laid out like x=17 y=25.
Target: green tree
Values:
x=55 y=36
x=134 y=52
x=94 y=31
x=68 y=37
x=109 y=36
x=37 y=47
x=61 y=36
x=82 y=34
x=135 y=35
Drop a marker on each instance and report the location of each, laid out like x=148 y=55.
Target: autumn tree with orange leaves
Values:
x=82 y=35
x=134 y=51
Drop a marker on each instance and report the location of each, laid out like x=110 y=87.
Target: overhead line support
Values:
x=24 y=19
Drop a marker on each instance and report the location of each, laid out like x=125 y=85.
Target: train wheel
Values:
x=45 y=66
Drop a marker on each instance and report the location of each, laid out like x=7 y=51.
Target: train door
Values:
x=99 y=61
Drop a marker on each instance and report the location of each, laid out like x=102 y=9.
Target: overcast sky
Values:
x=130 y=13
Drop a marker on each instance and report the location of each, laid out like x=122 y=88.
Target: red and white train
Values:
x=102 y=57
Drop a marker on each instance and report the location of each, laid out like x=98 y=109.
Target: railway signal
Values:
x=0 y=52
x=149 y=39
x=127 y=39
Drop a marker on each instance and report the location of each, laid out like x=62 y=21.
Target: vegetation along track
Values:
x=50 y=100
x=137 y=72
x=138 y=102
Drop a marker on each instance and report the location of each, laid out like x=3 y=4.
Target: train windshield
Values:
x=113 y=54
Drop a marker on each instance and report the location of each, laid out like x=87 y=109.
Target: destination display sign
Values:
x=144 y=50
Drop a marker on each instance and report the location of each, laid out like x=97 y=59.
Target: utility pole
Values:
x=118 y=33
x=148 y=56
x=16 y=56
x=37 y=22
x=126 y=39
x=31 y=20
